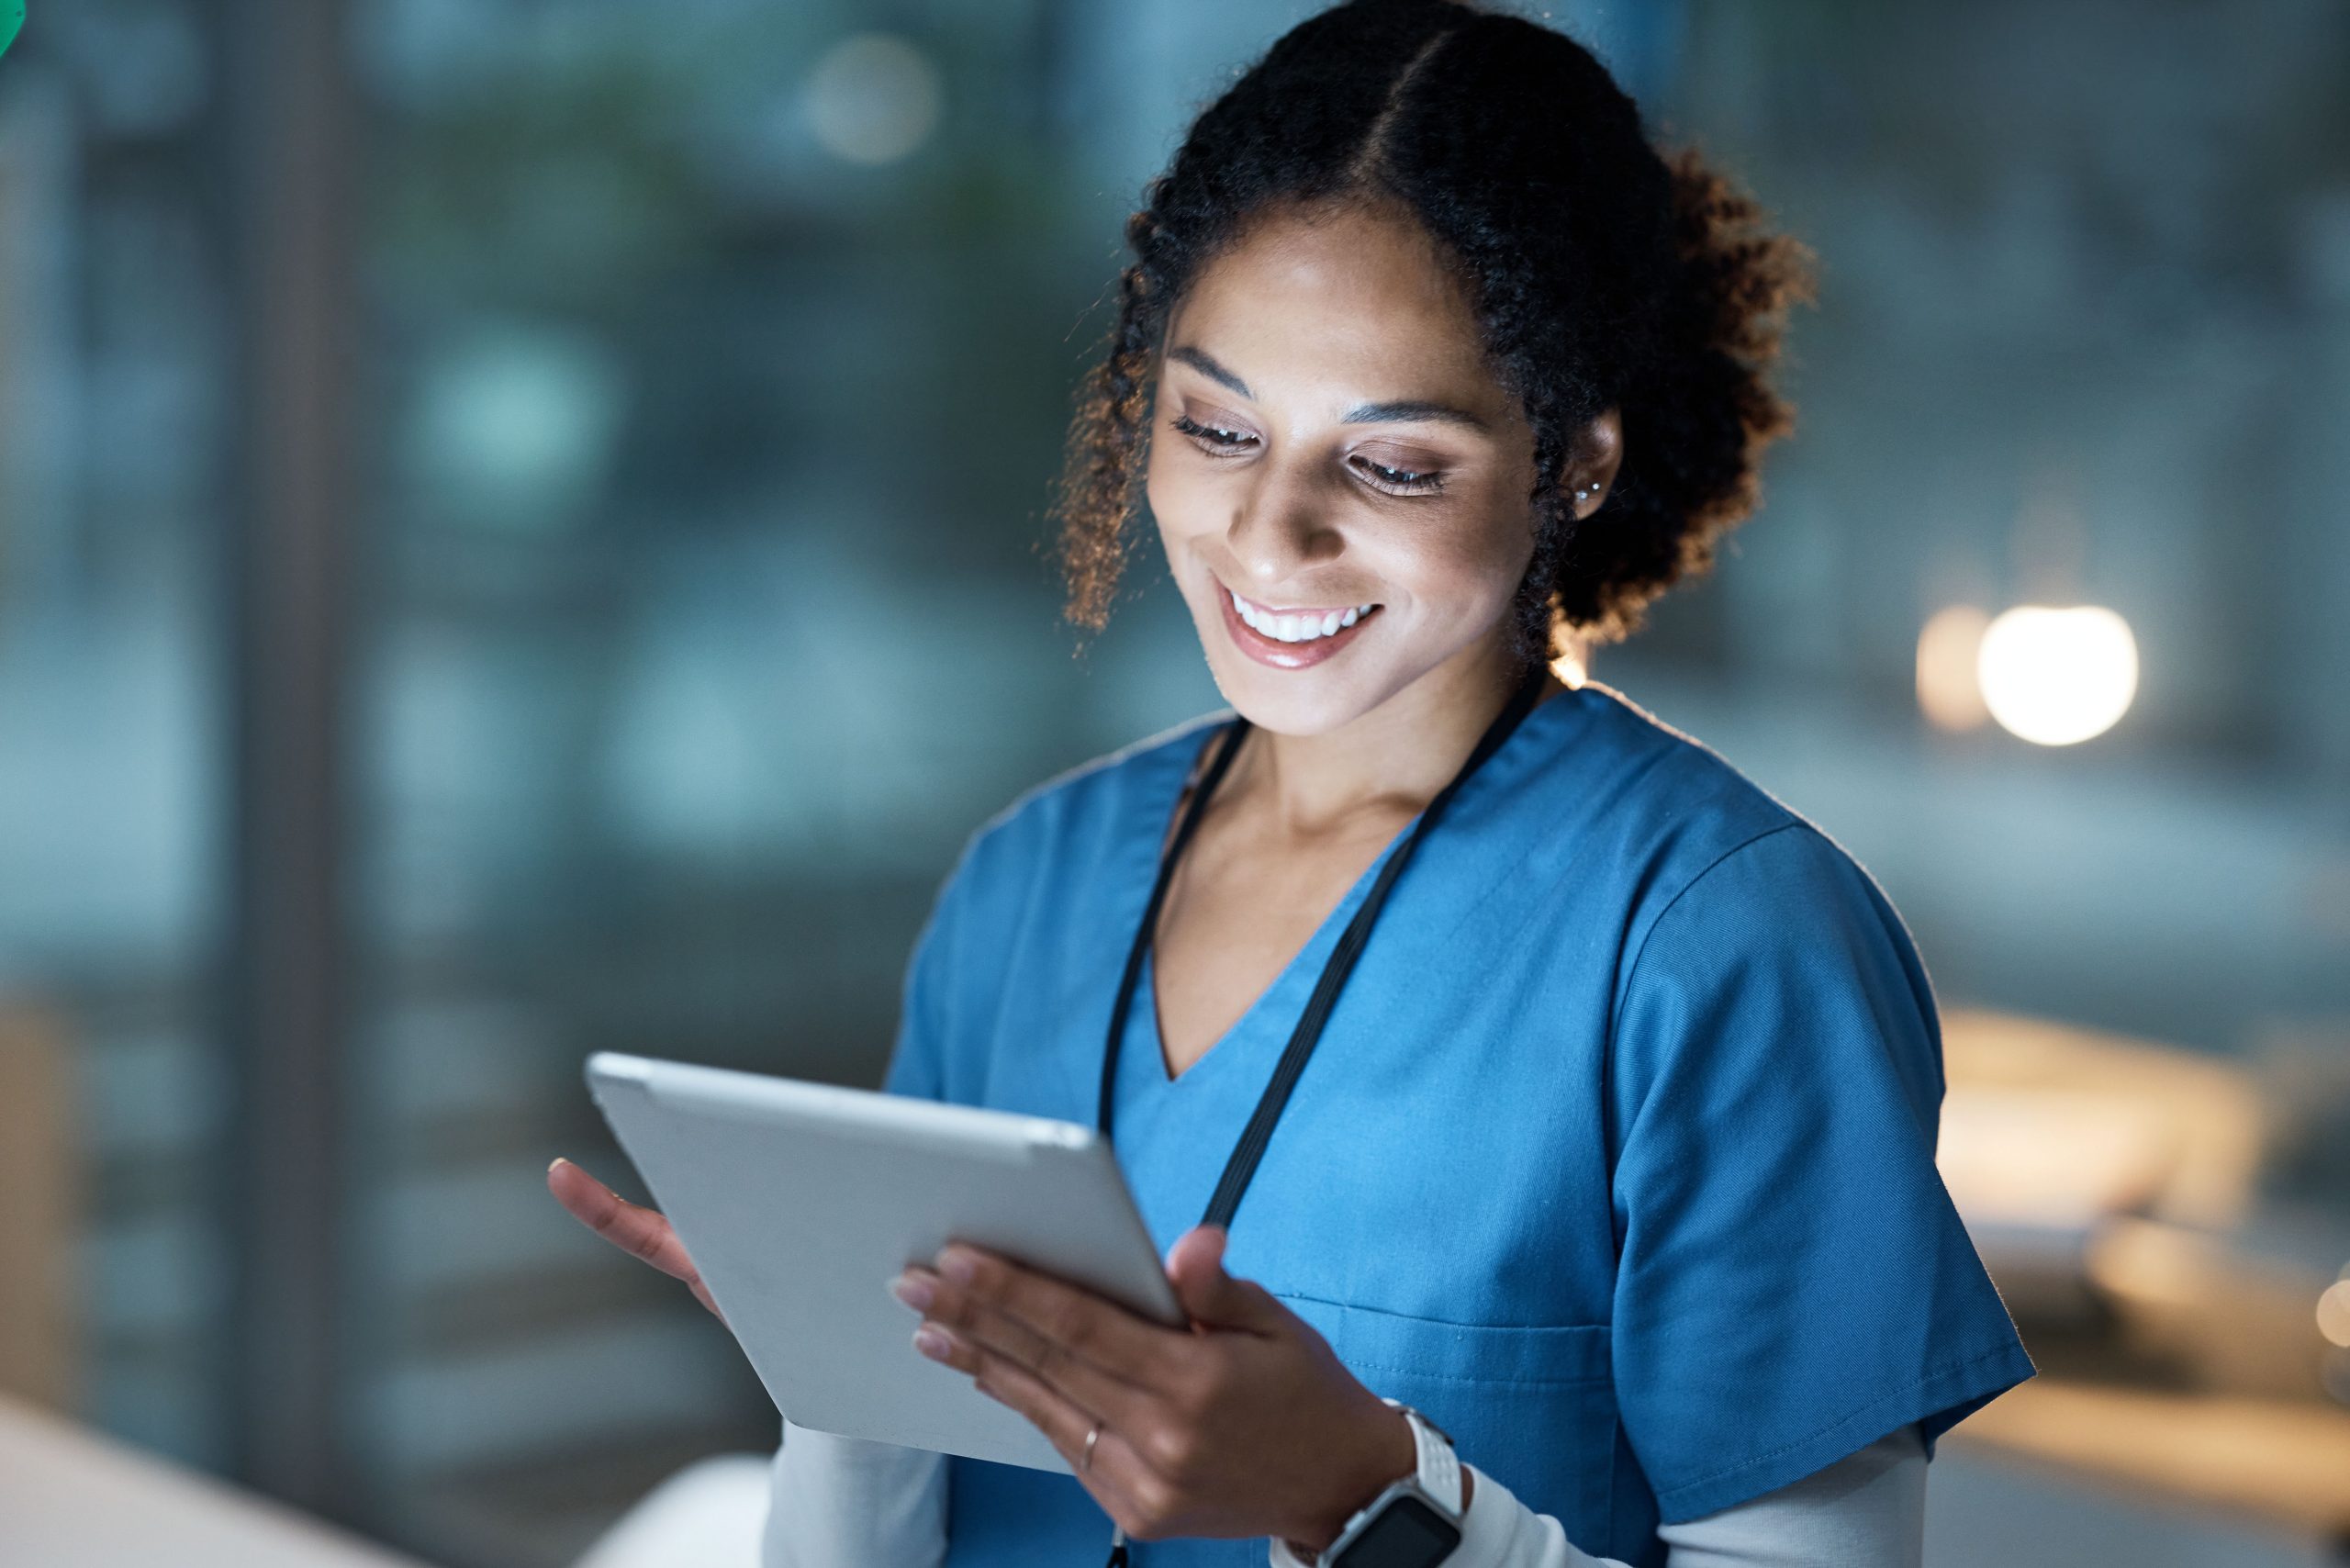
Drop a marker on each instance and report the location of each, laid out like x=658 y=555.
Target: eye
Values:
x=1405 y=481
x=1209 y=436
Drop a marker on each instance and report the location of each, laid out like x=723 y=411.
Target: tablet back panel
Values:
x=799 y=1202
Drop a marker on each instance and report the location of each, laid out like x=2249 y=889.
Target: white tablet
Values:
x=799 y=1201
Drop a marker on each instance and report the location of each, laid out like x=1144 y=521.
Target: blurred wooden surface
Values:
x=2050 y=1121
x=2282 y=1462
x=38 y=1354
x=72 y=1498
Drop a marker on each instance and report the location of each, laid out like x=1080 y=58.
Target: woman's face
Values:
x=1327 y=443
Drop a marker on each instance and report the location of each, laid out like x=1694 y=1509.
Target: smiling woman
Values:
x=1583 y=1095
x=1538 y=277
x=1332 y=438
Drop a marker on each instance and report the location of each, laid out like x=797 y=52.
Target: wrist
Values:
x=1384 y=1454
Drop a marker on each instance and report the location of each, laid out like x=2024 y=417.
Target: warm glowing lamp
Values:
x=2056 y=676
x=2334 y=1313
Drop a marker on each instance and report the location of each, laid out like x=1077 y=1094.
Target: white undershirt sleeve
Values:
x=1869 y=1507
x=837 y=1502
x=1867 y=1510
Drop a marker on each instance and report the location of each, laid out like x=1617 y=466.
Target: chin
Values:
x=1313 y=701
x=1288 y=707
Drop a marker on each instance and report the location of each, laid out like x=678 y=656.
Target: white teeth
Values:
x=1297 y=628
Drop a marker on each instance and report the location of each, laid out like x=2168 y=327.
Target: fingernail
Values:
x=914 y=1291
x=932 y=1343
x=558 y=1159
x=958 y=1266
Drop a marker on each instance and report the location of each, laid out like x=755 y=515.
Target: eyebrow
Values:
x=1399 y=409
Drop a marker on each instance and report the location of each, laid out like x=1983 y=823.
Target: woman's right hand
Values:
x=635 y=1229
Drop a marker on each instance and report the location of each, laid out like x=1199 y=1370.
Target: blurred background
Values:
x=521 y=532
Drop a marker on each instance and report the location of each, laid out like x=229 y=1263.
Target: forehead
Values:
x=1343 y=300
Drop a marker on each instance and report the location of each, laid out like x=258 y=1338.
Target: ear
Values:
x=1591 y=472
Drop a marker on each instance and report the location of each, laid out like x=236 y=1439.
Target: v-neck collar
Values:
x=1285 y=997
x=1293 y=984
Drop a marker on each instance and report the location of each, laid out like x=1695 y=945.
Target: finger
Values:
x=1195 y=1268
x=639 y=1232
x=1091 y=1329
x=1116 y=1476
x=1057 y=1364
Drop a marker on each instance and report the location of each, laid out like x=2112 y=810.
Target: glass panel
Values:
x=113 y=401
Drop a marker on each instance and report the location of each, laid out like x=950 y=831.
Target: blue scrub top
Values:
x=1617 y=1155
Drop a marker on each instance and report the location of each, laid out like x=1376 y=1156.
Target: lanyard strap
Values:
x=1250 y=1149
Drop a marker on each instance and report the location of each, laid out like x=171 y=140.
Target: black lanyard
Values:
x=1242 y=1165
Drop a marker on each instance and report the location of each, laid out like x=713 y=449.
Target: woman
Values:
x=1612 y=1161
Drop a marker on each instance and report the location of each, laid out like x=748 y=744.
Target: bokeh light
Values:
x=1949 y=692
x=873 y=98
x=2058 y=675
x=2333 y=1313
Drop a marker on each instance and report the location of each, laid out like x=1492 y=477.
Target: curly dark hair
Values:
x=1602 y=273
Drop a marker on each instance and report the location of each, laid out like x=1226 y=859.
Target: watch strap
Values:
x=1439 y=1467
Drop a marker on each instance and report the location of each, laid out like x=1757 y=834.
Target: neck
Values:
x=1390 y=761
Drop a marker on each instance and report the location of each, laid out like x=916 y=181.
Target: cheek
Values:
x=1472 y=558
x=1174 y=497
x=1506 y=541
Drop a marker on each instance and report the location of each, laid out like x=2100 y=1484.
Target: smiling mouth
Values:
x=1296 y=625
x=1292 y=639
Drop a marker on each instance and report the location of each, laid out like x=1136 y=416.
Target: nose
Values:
x=1280 y=528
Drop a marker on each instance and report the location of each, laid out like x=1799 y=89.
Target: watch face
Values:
x=1407 y=1534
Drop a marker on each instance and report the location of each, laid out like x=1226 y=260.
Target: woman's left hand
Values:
x=1246 y=1423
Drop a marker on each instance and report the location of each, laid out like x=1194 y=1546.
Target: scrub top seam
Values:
x=1616 y=1005
x=1438 y=1322
x=1632 y=974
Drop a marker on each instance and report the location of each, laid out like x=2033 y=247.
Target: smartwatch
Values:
x=1415 y=1522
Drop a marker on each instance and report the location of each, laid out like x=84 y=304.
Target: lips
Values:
x=1286 y=655
x=1298 y=625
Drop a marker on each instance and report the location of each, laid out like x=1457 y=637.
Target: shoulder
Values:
x=1670 y=807
x=1711 y=852
x=1080 y=815
x=1745 y=910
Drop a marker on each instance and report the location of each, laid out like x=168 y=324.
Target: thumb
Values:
x=1195 y=1268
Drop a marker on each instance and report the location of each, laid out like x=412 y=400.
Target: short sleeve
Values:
x=1794 y=1281
x=954 y=968
x=918 y=1059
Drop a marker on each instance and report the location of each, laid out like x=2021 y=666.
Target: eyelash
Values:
x=1395 y=481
